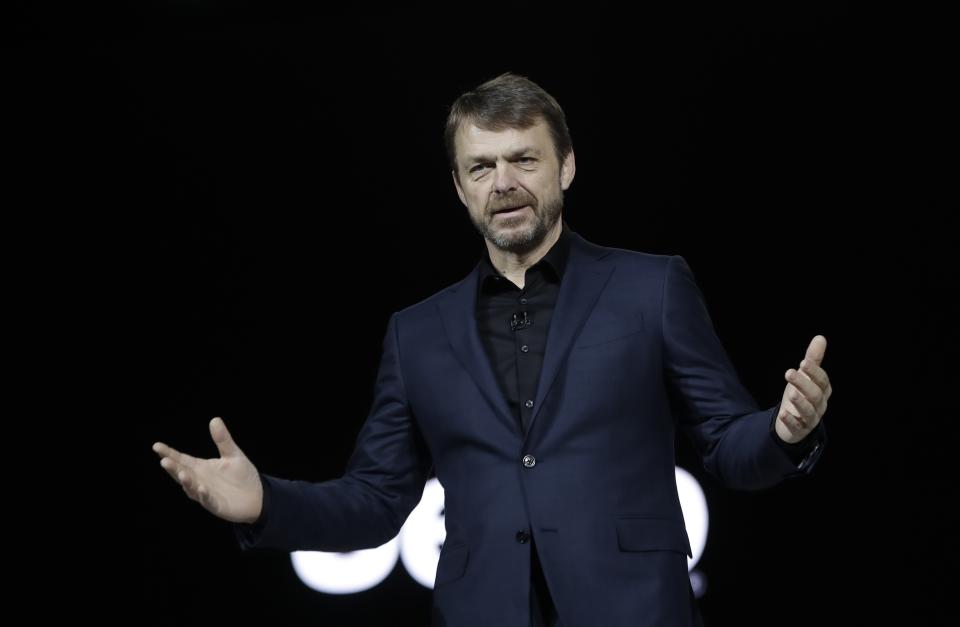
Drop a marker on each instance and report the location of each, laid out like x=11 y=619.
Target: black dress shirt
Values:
x=513 y=324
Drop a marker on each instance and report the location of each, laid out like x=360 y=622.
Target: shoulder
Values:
x=421 y=320
x=631 y=262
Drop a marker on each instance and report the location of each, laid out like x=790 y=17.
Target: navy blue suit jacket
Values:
x=631 y=355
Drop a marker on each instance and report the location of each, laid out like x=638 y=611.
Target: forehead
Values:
x=473 y=142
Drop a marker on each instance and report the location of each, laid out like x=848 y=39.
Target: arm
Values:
x=731 y=434
x=367 y=506
x=364 y=508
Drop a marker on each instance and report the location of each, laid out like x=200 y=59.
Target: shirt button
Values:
x=528 y=404
x=529 y=461
x=523 y=537
x=524 y=349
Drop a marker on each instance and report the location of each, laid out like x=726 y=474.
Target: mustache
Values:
x=512 y=202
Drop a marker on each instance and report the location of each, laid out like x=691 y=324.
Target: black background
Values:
x=262 y=184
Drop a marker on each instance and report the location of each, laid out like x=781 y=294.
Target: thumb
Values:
x=816 y=350
x=225 y=443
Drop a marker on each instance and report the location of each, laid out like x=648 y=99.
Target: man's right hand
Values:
x=228 y=487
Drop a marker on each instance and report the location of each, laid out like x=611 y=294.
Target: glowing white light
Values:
x=694 y=506
x=345 y=573
x=419 y=540
x=422 y=535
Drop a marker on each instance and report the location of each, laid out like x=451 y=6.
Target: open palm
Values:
x=228 y=486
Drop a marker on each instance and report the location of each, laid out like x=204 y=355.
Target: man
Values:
x=544 y=389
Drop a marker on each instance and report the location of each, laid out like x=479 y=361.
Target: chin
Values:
x=515 y=240
x=519 y=229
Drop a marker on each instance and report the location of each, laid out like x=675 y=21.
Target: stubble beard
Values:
x=506 y=237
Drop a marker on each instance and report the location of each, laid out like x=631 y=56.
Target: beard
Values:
x=519 y=234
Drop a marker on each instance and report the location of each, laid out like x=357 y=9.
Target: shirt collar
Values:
x=556 y=258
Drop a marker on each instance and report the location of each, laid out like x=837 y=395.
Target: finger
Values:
x=184 y=479
x=222 y=438
x=816 y=374
x=182 y=476
x=822 y=408
x=793 y=424
x=810 y=390
x=172 y=468
x=182 y=459
x=189 y=483
x=816 y=350
x=792 y=417
x=191 y=493
x=195 y=491
x=822 y=405
x=805 y=409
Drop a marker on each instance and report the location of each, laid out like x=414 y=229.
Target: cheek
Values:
x=475 y=208
x=476 y=202
x=545 y=192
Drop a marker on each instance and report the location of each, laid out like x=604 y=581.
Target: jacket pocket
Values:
x=652 y=534
x=452 y=564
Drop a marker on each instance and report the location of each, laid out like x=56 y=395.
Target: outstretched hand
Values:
x=805 y=397
x=228 y=486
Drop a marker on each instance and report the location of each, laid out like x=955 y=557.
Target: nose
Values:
x=504 y=181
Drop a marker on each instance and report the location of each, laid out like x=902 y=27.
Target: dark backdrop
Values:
x=278 y=181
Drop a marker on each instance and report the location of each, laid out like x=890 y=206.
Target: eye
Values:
x=477 y=168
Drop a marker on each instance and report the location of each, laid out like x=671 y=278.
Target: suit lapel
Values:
x=583 y=280
x=458 y=315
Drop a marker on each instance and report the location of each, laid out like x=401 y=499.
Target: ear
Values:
x=456 y=183
x=567 y=170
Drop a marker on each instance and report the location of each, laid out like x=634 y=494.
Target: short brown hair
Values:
x=507 y=101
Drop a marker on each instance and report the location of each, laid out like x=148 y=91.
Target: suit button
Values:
x=528 y=404
x=523 y=537
x=529 y=461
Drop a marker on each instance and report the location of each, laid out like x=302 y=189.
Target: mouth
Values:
x=509 y=211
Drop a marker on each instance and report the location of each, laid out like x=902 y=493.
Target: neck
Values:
x=514 y=265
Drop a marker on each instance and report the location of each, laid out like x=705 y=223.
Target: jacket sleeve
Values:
x=366 y=507
x=728 y=430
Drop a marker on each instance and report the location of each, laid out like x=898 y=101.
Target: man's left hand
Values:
x=805 y=397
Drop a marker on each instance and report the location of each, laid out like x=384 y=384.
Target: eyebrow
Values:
x=526 y=150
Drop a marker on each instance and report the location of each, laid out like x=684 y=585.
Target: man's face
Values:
x=511 y=183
